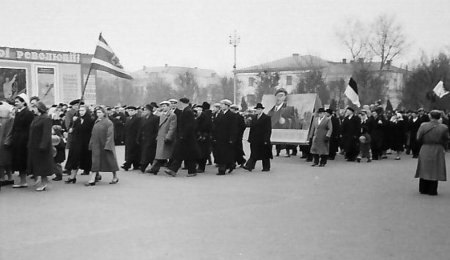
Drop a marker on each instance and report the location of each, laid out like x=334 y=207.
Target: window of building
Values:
x=251 y=81
x=288 y=80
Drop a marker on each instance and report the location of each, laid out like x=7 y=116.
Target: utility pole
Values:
x=234 y=41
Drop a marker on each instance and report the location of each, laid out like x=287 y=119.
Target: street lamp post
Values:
x=234 y=41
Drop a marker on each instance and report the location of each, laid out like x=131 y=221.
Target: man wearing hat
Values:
x=413 y=126
x=204 y=126
x=377 y=127
x=186 y=148
x=132 y=149
x=334 y=139
x=165 y=139
x=320 y=134
x=240 y=121
x=19 y=138
x=225 y=138
x=68 y=119
x=351 y=129
x=148 y=131
x=215 y=114
x=259 y=139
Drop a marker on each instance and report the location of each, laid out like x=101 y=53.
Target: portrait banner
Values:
x=12 y=82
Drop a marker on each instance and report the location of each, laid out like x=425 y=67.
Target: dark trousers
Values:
x=202 y=164
x=252 y=161
x=428 y=187
x=323 y=159
x=176 y=164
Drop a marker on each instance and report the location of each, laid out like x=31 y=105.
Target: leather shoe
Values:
x=246 y=168
x=170 y=172
x=191 y=175
x=266 y=170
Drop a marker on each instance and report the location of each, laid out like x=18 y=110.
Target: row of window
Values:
x=251 y=81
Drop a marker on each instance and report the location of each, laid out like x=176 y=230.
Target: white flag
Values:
x=440 y=90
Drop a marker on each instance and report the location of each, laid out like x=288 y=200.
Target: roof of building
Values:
x=175 y=70
x=308 y=62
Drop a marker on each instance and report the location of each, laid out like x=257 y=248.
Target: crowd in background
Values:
x=35 y=138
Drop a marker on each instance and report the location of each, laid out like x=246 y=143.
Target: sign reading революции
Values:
x=38 y=55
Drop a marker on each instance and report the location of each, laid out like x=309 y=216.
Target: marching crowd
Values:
x=34 y=139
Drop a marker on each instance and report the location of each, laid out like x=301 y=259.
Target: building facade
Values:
x=53 y=76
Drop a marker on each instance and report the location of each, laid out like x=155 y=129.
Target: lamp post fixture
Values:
x=234 y=41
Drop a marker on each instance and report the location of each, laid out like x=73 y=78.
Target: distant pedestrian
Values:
x=320 y=135
x=434 y=137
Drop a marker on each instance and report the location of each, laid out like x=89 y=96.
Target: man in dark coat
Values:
x=413 y=126
x=350 y=133
x=19 y=137
x=148 y=131
x=259 y=139
x=226 y=135
x=377 y=125
x=240 y=121
x=334 y=140
x=131 y=130
x=186 y=148
x=204 y=125
x=215 y=113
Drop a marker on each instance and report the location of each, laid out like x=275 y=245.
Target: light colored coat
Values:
x=319 y=133
x=431 y=164
x=165 y=139
x=102 y=147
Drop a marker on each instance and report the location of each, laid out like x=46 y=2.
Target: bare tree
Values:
x=387 y=39
x=354 y=36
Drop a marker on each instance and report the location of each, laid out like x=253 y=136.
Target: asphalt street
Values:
x=342 y=211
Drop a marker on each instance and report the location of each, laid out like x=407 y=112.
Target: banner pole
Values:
x=85 y=83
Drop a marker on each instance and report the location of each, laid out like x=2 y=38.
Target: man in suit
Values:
x=186 y=148
x=350 y=133
x=132 y=149
x=282 y=116
x=413 y=125
x=320 y=135
x=147 y=136
x=259 y=139
x=335 y=139
x=166 y=137
x=226 y=135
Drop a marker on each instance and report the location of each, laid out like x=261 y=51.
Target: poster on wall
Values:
x=12 y=82
x=46 y=85
x=70 y=76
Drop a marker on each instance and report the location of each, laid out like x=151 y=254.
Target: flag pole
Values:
x=85 y=83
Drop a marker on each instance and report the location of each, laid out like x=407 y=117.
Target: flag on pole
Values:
x=352 y=92
x=439 y=90
x=106 y=60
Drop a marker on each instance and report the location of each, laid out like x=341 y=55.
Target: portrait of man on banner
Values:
x=283 y=116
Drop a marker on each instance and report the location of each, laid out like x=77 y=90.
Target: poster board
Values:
x=297 y=114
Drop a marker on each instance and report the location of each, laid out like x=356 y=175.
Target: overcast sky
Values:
x=195 y=33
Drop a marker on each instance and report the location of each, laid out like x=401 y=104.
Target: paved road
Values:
x=342 y=211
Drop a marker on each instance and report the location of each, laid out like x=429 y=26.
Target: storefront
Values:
x=55 y=77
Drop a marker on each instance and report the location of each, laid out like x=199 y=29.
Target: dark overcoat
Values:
x=147 y=137
x=259 y=137
x=165 y=141
x=335 y=135
x=186 y=147
x=397 y=132
x=80 y=157
x=350 y=133
x=241 y=126
x=204 y=127
x=40 y=146
x=431 y=164
x=319 y=134
x=132 y=148
x=226 y=132
x=376 y=128
x=413 y=127
x=5 y=150
x=19 y=134
x=102 y=146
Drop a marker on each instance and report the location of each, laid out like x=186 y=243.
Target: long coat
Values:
x=186 y=147
x=204 y=127
x=80 y=157
x=319 y=134
x=431 y=164
x=147 y=137
x=259 y=137
x=19 y=134
x=132 y=149
x=376 y=130
x=40 y=146
x=102 y=147
x=165 y=140
x=350 y=130
x=5 y=151
x=335 y=135
x=226 y=132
